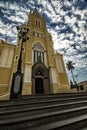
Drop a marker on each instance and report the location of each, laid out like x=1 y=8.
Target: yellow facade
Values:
x=39 y=44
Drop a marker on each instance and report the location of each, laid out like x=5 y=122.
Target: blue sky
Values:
x=66 y=21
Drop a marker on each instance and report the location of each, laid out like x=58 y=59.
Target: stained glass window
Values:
x=38 y=52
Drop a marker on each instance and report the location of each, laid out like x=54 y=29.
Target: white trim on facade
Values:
x=3 y=85
x=27 y=74
x=53 y=76
x=60 y=66
x=6 y=58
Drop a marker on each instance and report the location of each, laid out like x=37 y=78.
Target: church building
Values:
x=32 y=66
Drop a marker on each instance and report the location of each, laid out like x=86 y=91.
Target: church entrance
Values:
x=39 y=86
x=40 y=79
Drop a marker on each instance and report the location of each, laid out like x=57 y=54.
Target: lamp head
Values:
x=17 y=27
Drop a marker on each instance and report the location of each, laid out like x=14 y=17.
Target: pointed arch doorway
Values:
x=40 y=79
x=39 y=85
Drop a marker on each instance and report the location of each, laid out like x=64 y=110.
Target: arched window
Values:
x=37 y=23
x=38 y=50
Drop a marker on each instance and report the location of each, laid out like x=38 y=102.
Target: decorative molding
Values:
x=60 y=65
x=27 y=74
x=29 y=63
x=3 y=85
x=53 y=76
x=6 y=58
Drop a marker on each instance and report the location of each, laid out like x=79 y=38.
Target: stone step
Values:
x=85 y=128
x=76 y=123
x=34 y=98
x=40 y=109
x=19 y=101
x=17 y=105
x=60 y=95
x=41 y=119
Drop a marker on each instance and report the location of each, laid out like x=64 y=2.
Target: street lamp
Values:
x=17 y=81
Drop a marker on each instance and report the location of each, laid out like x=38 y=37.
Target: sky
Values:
x=66 y=20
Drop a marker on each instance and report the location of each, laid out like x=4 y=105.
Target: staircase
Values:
x=65 y=111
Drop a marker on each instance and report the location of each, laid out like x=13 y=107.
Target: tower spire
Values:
x=35 y=4
x=36 y=10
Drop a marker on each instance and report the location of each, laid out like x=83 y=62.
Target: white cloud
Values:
x=68 y=19
x=71 y=30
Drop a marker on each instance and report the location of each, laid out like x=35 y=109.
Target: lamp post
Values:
x=17 y=80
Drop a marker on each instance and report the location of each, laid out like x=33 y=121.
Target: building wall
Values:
x=6 y=59
x=62 y=75
x=9 y=55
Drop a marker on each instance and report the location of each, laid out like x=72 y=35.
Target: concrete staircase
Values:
x=65 y=111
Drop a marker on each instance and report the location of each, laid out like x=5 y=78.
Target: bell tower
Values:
x=39 y=70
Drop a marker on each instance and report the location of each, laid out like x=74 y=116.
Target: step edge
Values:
x=62 y=123
x=55 y=100
x=41 y=107
x=15 y=120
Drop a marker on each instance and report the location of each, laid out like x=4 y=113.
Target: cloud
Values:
x=66 y=21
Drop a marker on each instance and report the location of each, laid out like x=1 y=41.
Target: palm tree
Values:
x=70 y=67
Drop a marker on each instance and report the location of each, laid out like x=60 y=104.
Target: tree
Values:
x=70 y=67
